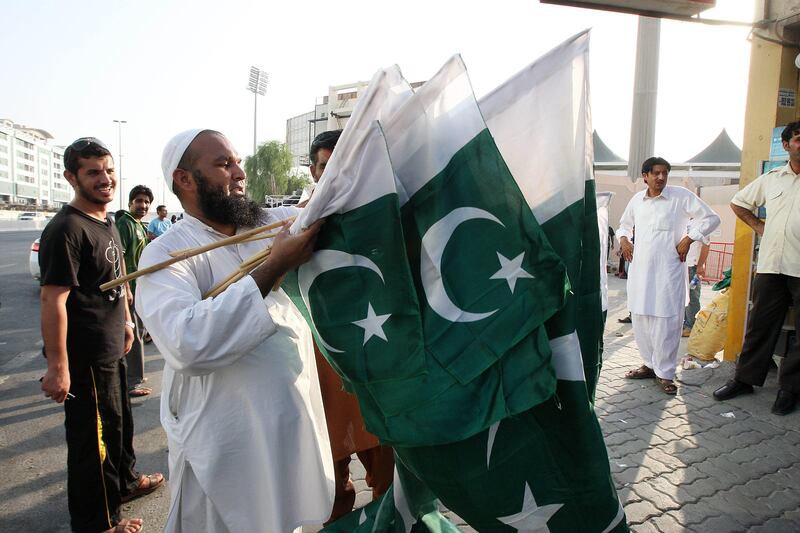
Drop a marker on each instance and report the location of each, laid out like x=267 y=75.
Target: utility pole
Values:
x=119 y=163
x=258 y=86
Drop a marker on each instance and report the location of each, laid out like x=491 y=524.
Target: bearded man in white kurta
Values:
x=241 y=405
x=657 y=281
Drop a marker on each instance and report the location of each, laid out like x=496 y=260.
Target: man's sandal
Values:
x=667 y=385
x=643 y=372
x=138 y=391
x=133 y=525
x=147 y=484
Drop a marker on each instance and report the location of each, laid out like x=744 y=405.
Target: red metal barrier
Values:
x=720 y=257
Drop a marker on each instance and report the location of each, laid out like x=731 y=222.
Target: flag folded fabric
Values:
x=487 y=403
x=408 y=506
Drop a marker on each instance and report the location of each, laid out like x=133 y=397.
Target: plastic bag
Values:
x=710 y=329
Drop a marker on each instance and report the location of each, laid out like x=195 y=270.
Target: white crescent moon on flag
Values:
x=433 y=244
x=324 y=261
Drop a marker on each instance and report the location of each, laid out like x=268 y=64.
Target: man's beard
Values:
x=88 y=195
x=226 y=209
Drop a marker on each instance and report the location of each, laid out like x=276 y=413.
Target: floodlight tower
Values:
x=257 y=85
x=119 y=164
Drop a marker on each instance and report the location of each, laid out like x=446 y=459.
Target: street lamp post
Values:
x=119 y=163
x=258 y=86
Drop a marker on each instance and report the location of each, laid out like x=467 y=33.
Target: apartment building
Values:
x=31 y=168
x=331 y=112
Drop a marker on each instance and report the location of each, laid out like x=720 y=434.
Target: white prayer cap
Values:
x=174 y=150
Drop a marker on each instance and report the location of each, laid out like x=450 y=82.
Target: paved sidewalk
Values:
x=691 y=463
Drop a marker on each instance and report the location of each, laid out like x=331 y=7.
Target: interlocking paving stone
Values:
x=744 y=510
x=628 y=495
x=695 y=513
x=702 y=487
x=638 y=512
x=781 y=500
x=646 y=527
x=633 y=474
x=682 y=476
x=676 y=493
x=720 y=524
x=759 y=488
x=724 y=476
x=667 y=523
x=777 y=525
x=661 y=501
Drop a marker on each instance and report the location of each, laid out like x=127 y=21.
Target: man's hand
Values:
x=55 y=383
x=128 y=339
x=747 y=216
x=683 y=247
x=758 y=227
x=701 y=271
x=288 y=252
x=626 y=248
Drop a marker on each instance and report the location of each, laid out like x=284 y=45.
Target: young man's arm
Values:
x=56 y=381
x=701 y=260
x=747 y=216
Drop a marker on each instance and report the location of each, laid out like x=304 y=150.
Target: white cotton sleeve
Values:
x=704 y=219
x=198 y=336
x=627 y=222
x=752 y=195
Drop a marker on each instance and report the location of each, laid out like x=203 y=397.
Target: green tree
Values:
x=296 y=182
x=268 y=171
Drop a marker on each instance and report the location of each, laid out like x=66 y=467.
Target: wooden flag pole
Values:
x=191 y=252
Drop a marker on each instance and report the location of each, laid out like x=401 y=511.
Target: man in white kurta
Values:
x=241 y=406
x=657 y=278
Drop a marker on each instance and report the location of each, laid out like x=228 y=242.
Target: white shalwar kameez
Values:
x=658 y=285
x=241 y=405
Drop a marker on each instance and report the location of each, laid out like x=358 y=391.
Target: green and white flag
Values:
x=495 y=419
x=357 y=290
x=540 y=119
x=545 y=468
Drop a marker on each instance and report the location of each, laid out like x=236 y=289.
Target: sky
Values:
x=71 y=68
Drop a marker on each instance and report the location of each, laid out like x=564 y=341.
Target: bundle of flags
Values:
x=455 y=287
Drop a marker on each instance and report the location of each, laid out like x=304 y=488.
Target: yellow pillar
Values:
x=771 y=68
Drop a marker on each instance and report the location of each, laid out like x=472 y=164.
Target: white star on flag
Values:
x=511 y=270
x=372 y=325
x=531 y=518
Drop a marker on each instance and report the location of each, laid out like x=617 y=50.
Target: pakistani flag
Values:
x=541 y=122
x=502 y=261
x=407 y=507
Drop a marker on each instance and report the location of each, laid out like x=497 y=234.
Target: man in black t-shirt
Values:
x=86 y=334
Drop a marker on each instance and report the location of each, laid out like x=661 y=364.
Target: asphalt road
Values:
x=19 y=296
x=33 y=452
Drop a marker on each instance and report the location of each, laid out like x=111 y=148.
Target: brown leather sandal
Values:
x=667 y=385
x=643 y=372
x=147 y=484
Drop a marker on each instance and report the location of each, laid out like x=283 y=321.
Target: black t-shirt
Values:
x=82 y=253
